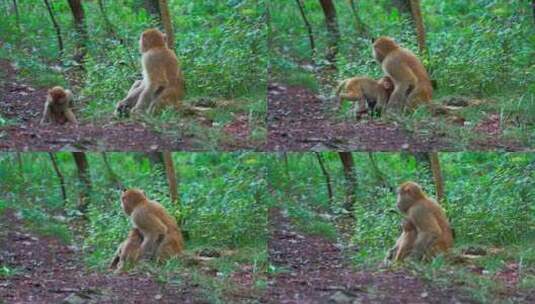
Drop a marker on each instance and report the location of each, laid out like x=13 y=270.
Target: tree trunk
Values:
x=308 y=27
x=360 y=26
x=79 y=24
x=332 y=27
x=56 y=27
x=60 y=177
x=403 y=6
x=171 y=177
x=153 y=7
x=19 y=163
x=437 y=176
x=328 y=181
x=377 y=173
x=419 y=23
x=167 y=24
x=350 y=177
x=17 y=15
x=112 y=176
x=84 y=178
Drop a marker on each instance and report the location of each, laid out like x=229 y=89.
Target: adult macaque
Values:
x=406 y=70
x=404 y=243
x=57 y=107
x=433 y=232
x=162 y=84
x=366 y=91
x=128 y=252
x=161 y=236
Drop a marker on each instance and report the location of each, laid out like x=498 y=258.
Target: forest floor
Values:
x=298 y=120
x=24 y=103
x=312 y=269
x=48 y=271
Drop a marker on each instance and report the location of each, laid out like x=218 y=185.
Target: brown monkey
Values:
x=406 y=70
x=128 y=252
x=366 y=91
x=57 y=107
x=161 y=236
x=404 y=243
x=163 y=82
x=433 y=232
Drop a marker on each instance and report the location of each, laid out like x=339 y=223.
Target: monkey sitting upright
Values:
x=57 y=107
x=433 y=232
x=367 y=92
x=163 y=82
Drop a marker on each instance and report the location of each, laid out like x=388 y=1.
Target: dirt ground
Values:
x=48 y=271
x=314 y=270
x=298 y=120
x=22 y=101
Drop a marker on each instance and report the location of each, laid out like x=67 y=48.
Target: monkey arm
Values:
x=131 y=98
x=145 y=98
x=154 y=231
x=429 y=232
x=70 y=116
x=46 y=114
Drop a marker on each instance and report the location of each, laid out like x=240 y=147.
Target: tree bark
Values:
x=56 y=27
x=60 y=176
x=308 y=27
x=171 y=177
x=327 y=176
x=79 y=24
x=437 y=176
x=17 y=15
x=351 y=179
x=419 y=23
x=153 y=7
x=84 y=178
x=329 y=11
x=167 y=24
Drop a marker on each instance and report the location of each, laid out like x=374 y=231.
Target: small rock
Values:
x=74 y=299
x=158 y=297
x=424 y=295
x=405 y=146
x=340 y=297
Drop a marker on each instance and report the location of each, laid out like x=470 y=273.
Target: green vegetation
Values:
x=489 y=201
x=477 y=49
x=222 y=208
x=222 y=47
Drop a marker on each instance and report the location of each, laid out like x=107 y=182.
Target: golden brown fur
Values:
x=163 y=82
x=433 y=232
x=128 y=252
x=367 y=91
x=161 y=236
x=57 y=107
x=406 y=70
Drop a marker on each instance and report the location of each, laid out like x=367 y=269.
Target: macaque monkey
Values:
x=128 y=252
x=161 y=236
x=406 y=70
x=404 y=243
x=163 y=82
x=433 y=232
x=366 y=91
x=58 y=107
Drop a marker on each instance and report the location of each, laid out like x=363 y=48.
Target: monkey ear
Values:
x=124 y=189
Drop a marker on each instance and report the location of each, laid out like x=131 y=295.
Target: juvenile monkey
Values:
x=57 y=107
x=433 y=232
x=366 y=91
x=128 y=252
x=406 y=70
x=404 y=243
x=161 y=236
x=163 y=82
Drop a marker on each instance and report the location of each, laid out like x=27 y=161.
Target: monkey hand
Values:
x=121 y=110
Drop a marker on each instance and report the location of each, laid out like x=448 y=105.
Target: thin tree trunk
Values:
x=419 y=23
x=60 y=176
x=56 y=27
x=84 y=177
x=19 y=163
x=437 y=176
x=17 y=15
x=153 y=7
x=350 y=177
x=377 y=172
x=329 y=11
x=112 y=176
x=79 y=23
x=327 y=176
x=171 y=177
x=360 y=26
x=308 y=27
x=167 y=24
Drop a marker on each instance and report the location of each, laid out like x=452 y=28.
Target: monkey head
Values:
x=408 y=193
x=382 y=47
x=387 y=83
x=132 y=198
x=151 y=38
x=58 y=96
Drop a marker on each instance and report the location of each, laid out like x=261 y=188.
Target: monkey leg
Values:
x=423 y=244
x=69 y=115
x=130 y=100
